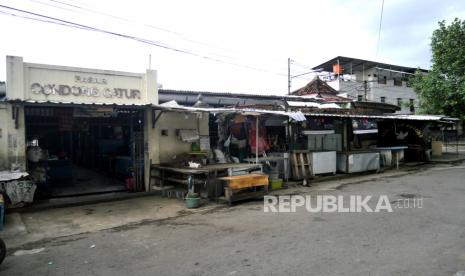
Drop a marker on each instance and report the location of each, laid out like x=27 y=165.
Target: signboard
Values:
x=83 y=87
x=61 y=84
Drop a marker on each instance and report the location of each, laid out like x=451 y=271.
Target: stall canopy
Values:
x=297 y=115
x=174 y=106
x=313 y=104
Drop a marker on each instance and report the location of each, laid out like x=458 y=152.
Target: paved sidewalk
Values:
x=28 y=227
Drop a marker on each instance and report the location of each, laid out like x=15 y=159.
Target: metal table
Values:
x=395 y=149
x=272 y=159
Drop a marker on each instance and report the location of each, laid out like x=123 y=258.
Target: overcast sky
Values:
x=234 y=46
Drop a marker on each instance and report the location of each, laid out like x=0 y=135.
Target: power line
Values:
x=37 y=19
x=105 y=14
x=126 y=20
x=57 y=21
x=294 y=62
x=175 y=33
x=89 y=11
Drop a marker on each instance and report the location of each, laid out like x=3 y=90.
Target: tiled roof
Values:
x=320 y=90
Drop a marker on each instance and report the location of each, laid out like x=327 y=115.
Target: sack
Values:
x=227 y=142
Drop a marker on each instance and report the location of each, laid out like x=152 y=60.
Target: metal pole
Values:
x=256 y=140
x=365 y=88
x=457 y=144
x=288 y=76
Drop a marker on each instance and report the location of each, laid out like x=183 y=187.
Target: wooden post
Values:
x=346 y=142
x=256 y=140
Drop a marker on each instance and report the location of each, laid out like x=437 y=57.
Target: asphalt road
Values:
x=243 y=240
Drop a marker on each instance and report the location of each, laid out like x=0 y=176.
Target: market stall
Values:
x=244 y=141
x=359 y=156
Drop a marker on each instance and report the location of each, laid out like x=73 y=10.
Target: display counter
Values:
x=358 y=161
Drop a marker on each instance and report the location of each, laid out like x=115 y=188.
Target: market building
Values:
x=78 y=130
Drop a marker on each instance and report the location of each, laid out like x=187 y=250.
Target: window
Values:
x=383 y=99
x=407 y=81
x=360 y=98
x=397 y=81
x=412 y=105
x=399 y=102
x=382 y=79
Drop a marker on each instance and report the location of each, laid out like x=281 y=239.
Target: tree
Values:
x=442 y=89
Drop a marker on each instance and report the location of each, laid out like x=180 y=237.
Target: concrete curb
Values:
x=81 y=201
x=449 y=161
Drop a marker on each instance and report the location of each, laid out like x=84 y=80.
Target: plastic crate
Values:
x=276 y=184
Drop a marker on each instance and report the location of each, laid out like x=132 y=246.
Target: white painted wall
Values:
x=391 y=92
x=12 y=140
x=171 y=145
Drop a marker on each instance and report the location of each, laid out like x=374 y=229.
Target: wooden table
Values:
x=242 y=187
x=208 y=172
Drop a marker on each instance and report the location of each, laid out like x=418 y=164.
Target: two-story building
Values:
x=364 y=80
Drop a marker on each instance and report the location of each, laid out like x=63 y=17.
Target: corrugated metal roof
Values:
x=227 y=94
x=391 y=117
x=236 y=95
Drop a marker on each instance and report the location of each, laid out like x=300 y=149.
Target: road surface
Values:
x=243 y=240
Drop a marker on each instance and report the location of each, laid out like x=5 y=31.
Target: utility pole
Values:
x=365 y=89
x=288 y=76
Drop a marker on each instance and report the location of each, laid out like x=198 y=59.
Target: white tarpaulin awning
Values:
x=312 y=104
x=174 y=106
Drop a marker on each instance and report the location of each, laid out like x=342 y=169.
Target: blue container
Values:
x=192 y=201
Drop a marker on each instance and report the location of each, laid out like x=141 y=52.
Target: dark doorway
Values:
x=84 y=150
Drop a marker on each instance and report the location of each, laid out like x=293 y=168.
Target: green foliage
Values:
x=442 y=90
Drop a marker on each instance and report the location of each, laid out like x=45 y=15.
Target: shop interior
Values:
x=83 y=150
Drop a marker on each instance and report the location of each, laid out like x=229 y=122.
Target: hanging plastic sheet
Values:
x=262 y=144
